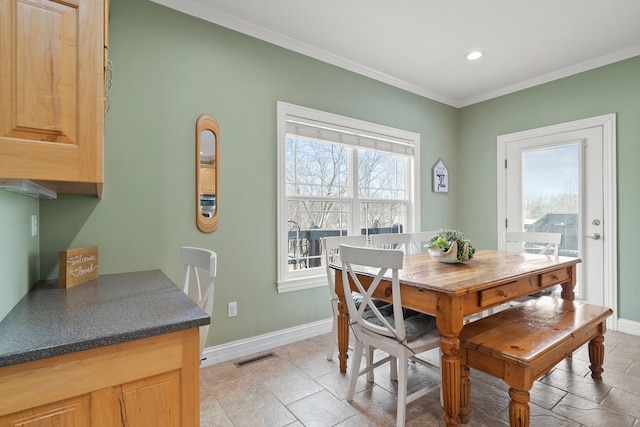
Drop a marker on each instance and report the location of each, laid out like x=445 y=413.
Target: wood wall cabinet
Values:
x=147 y=382
x=52 y=57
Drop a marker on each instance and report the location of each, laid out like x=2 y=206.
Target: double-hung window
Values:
x=339 y=176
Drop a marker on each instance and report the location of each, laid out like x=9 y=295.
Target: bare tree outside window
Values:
x=319 y=191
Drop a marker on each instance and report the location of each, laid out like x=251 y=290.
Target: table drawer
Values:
x=507 y=292
x=555 y=277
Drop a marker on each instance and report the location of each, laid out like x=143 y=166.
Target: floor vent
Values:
x=255 y=359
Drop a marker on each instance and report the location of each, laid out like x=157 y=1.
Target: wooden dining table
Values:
x=452 y=292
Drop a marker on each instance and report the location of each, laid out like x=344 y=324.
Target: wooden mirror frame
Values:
x=205 y=173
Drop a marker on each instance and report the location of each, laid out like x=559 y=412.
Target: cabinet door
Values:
x=68 y=413
x=153 y=401
x=52 y=90
x=208 y=177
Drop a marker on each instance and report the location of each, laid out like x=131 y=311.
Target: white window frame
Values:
x=288 y=281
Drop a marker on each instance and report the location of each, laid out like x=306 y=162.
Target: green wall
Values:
x=19 y=261
x=611 y=89
x=169 y=68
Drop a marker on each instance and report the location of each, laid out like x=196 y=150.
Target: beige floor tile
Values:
x=591 y=414
x=300 y=388
x=321 y=410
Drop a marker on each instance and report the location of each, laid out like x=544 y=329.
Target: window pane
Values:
x=316 y=168
x=551 y=194
x=381 y=175
x=383 y=217
x=309 y=222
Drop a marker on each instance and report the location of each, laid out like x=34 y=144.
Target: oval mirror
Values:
x=207 y=147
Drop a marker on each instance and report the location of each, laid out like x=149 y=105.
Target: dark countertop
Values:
x=109 y=310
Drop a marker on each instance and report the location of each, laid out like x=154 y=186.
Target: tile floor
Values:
x=299 y=387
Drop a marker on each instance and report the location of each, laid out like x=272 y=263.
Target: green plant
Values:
x=445 y=238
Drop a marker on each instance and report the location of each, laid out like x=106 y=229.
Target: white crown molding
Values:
x=210 y=14
x=556 y=75
x=207 y=13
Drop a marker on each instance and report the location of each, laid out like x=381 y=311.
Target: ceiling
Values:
x=420 y=45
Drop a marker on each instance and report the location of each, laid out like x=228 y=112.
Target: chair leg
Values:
x=355 y=369
x=402 y=392
x=393 y=369
x=369 y=356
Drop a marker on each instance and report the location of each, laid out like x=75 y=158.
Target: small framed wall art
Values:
x=440 y=177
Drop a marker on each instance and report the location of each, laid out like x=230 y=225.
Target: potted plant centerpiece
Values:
x=450 y=246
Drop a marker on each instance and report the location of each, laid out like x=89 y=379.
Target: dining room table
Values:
x=455 y=292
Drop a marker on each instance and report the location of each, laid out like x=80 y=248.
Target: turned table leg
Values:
x=343 y=324
x=519 y=408
x=596 y=356
x=450 y=366
x=465 y=394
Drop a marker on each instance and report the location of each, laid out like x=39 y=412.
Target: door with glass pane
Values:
x=554 y=184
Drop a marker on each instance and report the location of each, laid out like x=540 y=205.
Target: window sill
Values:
x=302 y=283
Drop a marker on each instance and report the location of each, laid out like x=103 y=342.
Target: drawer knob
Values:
x=502 y=293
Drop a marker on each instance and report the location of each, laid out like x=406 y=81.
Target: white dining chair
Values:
x=389 y=331
x=196 y=260
x=399 y=241
x=534 y=242
x=330 y=246
x=419 y=240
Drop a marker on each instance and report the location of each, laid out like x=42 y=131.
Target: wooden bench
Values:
x=524 y=342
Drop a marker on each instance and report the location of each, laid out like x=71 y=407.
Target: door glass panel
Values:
x=550 y=194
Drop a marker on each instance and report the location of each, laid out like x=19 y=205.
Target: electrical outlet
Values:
x=34 y=225
x=232 y=309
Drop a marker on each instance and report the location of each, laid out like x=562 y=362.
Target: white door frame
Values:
x=608 y=124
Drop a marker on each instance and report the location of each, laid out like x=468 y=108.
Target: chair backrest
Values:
x=541 y=243
x=195 y=259
x=331 y=248
x=399 y=241
x=419 y=240
x=379 y=262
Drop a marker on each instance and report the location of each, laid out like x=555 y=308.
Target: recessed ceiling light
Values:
x=474 y=55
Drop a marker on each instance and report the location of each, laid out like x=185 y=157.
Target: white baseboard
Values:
x=245 y=347
x=257 y=344
x=629 y=326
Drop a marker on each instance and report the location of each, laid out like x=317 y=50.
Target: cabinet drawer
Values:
x=507 y=292
x=555 y=277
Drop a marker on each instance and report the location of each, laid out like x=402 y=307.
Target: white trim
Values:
x=289 y=281
x=601 y=61
x=248 y=346
x=302 y=283
x=608 y=124
x=210 y=14
x=628 y=327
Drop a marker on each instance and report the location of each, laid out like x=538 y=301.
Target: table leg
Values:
x=450 y=366
x=465 y=394
x=343 y=334
x=596 y=356
x=567 y=288
x=343 y=324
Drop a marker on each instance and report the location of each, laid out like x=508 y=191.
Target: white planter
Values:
x=450 y=256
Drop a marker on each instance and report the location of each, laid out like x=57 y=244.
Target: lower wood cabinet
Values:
x=69 y=413
x=151 y=382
